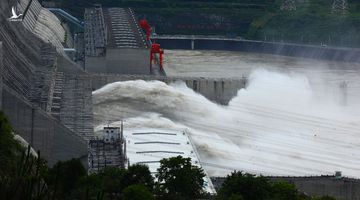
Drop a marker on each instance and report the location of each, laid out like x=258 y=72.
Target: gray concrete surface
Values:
x=341 y=188
x=76 y=105
x=55 y=141
x=120 y=61
x=128 y=61
x=30 y=67
x=95 y=64
x=114 y=43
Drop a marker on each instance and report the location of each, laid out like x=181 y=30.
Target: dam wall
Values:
x=217 y=90
x=284 y=49
x=23 y=46
x=55 y=141
x=42 y=23
x=341 y=188
x=31 y=11
x=114 y=44
x=49 y=29
x=76 y=104
x=20 y=58
x=46 y=97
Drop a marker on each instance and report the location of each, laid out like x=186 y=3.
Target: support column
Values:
x=192 y=44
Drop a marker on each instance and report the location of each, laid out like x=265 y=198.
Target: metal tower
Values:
x=339 y=6
x=288 y=5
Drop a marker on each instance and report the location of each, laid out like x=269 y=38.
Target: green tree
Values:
x=284 y=191
x=111 y=181
x=64 y=177
x=324 y=198
x=179 y=179
x=137 y=192
x=235 y=197
x=21 y=174
x=10 y=149
x=139 y=175
x=248 y=186
x=245 y=186
x=88 y=187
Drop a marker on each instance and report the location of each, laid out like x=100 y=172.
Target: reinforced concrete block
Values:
x=128 y=61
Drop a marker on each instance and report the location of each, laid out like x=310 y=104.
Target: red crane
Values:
x=155 y=49
x=146 y=26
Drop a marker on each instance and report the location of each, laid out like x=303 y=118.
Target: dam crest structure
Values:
x=47 y=94
x=46 y=91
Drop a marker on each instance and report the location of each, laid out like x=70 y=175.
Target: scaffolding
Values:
x=124 y=31
x=95 y=31
x=107 y=151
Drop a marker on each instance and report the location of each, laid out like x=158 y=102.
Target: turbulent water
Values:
x=282 y=123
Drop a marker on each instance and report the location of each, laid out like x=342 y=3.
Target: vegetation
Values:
x=27 y=181
x=311 y=23
x=24 y=176
x=243 y=186
x=64 y=176
x=21 y=174
x=110 y=183
x=178 y=179
x=9 y=148
x=137 y=192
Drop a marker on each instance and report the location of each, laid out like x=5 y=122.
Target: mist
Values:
x=282 y=123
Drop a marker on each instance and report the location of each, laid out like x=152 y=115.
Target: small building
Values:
x=114 y=42
x=111 y=134
x=107 y=150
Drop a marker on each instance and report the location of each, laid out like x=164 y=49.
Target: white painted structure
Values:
x=111 y=134
x=149 y=146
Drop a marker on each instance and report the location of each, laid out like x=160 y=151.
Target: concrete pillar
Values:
x=192 y=44
x=1 y=74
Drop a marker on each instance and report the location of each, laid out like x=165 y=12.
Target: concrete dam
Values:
x=219 y=90
x=45 y=95
x=48 y=97
x=338 y=187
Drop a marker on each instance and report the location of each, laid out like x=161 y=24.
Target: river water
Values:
x=295 y=117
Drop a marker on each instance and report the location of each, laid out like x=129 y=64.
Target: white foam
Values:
x=281 y=124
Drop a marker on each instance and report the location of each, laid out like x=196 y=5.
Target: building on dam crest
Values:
x=114 y=42
x=109 y=150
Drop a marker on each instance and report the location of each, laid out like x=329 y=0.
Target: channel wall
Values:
x=284 y=49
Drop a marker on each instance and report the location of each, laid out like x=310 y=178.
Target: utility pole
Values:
x=288 y=5
x=339 y=6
